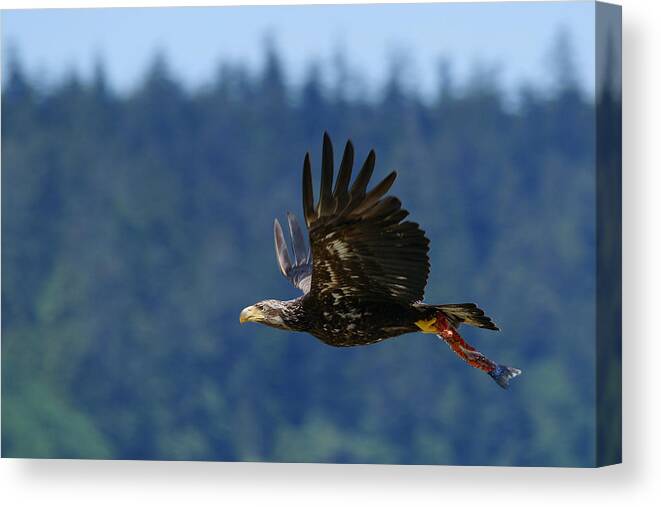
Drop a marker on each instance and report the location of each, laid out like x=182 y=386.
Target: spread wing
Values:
x=298 y=272
x=361 y=247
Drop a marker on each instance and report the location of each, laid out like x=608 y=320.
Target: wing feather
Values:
x=359 y=186
x=299 y=272
x=341 y=192
x=308 y=193
x=298 y=242
x=284 y=262
x=326 y=205
x=377 y=192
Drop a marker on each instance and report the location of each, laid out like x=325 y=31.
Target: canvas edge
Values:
x=608 y=151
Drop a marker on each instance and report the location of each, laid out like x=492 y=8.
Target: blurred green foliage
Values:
x=135 y=227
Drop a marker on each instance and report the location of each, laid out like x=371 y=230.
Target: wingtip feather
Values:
x=325 y=196
x=360 y=183
x=341 y=191
x=281 y=251
x=301 y=253
x=308 y=192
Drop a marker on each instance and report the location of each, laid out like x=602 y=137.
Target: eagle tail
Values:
x=467 y=313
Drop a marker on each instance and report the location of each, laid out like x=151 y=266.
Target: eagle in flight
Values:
x=364 y=275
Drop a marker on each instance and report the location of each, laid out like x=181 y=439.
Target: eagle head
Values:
x=268 y=312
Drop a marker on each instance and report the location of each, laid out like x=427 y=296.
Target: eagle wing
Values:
x=299 y=271
x=361 y=247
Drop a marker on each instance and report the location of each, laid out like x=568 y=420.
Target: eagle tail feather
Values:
x=467 y=313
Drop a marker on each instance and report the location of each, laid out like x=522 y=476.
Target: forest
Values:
x=137 y=225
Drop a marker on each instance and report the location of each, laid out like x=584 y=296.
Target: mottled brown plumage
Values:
x=364 y=275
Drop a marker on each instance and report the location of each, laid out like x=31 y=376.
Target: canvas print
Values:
x=312 y=234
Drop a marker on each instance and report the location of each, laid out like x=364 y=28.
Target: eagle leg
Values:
x=500 y=373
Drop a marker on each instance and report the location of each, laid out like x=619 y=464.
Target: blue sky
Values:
x=515 y=37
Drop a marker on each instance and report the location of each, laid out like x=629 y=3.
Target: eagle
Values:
x=364 y=273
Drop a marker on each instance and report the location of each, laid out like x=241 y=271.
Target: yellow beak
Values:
x=251 y=314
